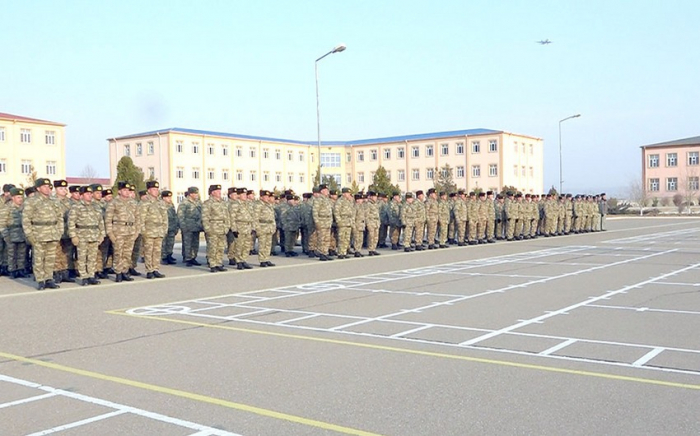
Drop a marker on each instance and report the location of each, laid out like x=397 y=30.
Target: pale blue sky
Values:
x=111 y=68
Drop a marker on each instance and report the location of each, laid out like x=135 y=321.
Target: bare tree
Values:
x=690 y=184
x=638 y=194
x=89 y=174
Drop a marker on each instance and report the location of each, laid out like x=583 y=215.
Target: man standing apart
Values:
x=152 y=225
x=86 y=229
x=42 y=221
x=216 y=223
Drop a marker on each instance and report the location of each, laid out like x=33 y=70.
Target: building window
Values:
x=532 y=172
x=180 y=197
x=522 y=171
x=400 y=153
x=266 y=153
x=693 y=158
x=224 y=175
x=50 y=168
x=532 y=149
x=301 y=178
x=523 y=148
x=476 y=170
x=239 y=151
x=2 y=134
x=360 y=156
x=211 y=173
x=239 y=175
x=224 y=149
x=401 y=175
x=460 y=172
x=330 y=160
x=301 y=156
x=387 y=153
x=25 y=136
x=653 y=161
x=179 y=173
x=415 y=151
x=253 y=176
x=290 y=177
x=515 y=170
x=671 y=159
x=371 y=175
x=444 y=149
x=444 y=173
x=290 y=155
x=348 y=178
x=278 y=154
x=195 y=173
x=361 y=177
x=210 y=149
x=127 y=150
x=654 y=185
x=672 y=184
x=195 y=148
x=253 y=153
x=139 y=149
x=179 y=147
x=429 y=174
x=278 y=177
x=347 y=157
x=50 y=137
x=3 y=166
x=493 y=170
x=388 y=175
x=429 y=152
x=373 y=155
x=459 y=149
x=266 y=176
x=151 y=148
x=693 y=183
x=493 y=146
x=415 y=174
x=515 y=147
x=151 y=173
x=26 y=167
x=476 y=147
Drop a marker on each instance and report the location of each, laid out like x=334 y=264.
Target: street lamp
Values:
x=337 y=49
x=561 y=180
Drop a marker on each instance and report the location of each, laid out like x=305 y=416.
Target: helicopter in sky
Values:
x=544 y=42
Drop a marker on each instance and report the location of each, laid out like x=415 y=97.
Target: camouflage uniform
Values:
x=120 y=225
x=482 y=217
x=291 y=223
x=242 y=226
x=444 y=219
x=384 y=218
x=499 y=209
x=189 y=215
x=153 y=226
x=358 y=228
x=344 y=215
x=65 y=249
x=490 y=218
x=86 y=229
x=432 y=215
x=264 y=227
x=323 y=220
x=409 y=214
x=173 y=227
x=395 y=221
x=216 y=223
x=42 y=221
x=13 y=235
x=472 y=218
x=460 y=214
x=421 y=218
x=372 y=221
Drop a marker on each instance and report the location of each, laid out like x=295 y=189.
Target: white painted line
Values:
x=557 y=347
x=313 y=315
x=646 y=309
x=27 y=400
x=408 y=332
x=78 y=423
x=647 y=357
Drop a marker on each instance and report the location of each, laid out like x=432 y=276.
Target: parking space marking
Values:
x=119 y=409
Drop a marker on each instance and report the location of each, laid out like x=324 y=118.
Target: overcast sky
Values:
x=111 y=68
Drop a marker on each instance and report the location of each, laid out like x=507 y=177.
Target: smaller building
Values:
x=672 y=169
x=29 y=145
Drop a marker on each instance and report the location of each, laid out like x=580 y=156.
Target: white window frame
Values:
x=50 y=137
x=25 y=136
x=253 y=152
x=151 y=172
x=127 y=150
x=429 y=173
x=2 y=134
x=400 y=153
x=224 y=149
x=3 y=166
x=493 y=146
x=278 y=154
x=211 y=174
x=373 y=155
x=139 y=149
x=195 y=173
x=253 y=176
x=429 y=151
x=671 y=159
x=179 y=146
x=360 y=156
x=476 y=171
x=693 y=158
x=239 y=175
x=50 y=167
x=387 y=153
x=459 y=148
x=180 y=173
x=195 y=147
x=476 y=147
x=301 y=156
x=415 y=151
x=151 y=148
x=459 y=172
x=278 y=177
x=290 y=155
x=239 y=151
x=26 y=166
x=361 y=177
x=654 y=184
x=266 y=176
x=401 y=176
x=211 y=149
x=493 y=170
x=224 y=175
x=444 y=149
x=415 y=174
x=693 y=183
x=653 y=160
x=672 y=184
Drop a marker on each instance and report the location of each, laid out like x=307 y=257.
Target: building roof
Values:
x=695 y=140
x=5 y=116
x=87 y=181
x=417 y=137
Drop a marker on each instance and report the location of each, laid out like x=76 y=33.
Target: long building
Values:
x=478 y=158
x=29 y=145
x=672 y=168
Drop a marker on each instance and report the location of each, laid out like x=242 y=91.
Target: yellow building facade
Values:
x=30 y=145
x=478 y=158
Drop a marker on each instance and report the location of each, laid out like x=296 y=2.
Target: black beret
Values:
x=29 y=190
x=289 y=197
x=213 y=188
x=344 y=190
x=418 y=192
x=482 y=194
x=241 y=190
x=16 y=191
x=431 y=190
x=166 y=194
x=123 y=185
x=42 y=182
x=74 y=188
x=193 y=190
x=382 y=195
x=250 y=191
x=60 y=184
x=358 y=196
x=84 y=189
x=322 y=186
x=7 y=187
x=371 y=193
x=489 y=192
x=152 y=184
x=142 y=193
x=307 y=195
x=96 y=187
x=452 y=194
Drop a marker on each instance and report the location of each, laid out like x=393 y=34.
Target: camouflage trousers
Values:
x=87 y=258
x=344 y=240
x=305 y=238
x=383 y=232
x=64 y=255
x=3 y=252
x=490 y=228
x=313 y=240
x=498 y=230
x=323 y=235
x=432 y=231
x=168 y=244
x=372 y=238
x=471 y=229
x=242 y=245
x=264 y=245
x=105 y=258
x=461 y=230
x=357 y=237
x=595 y=224
x=216 y=243
x=123 y=249
x=190 y=245
x=16 y=255
x=443 y=232
x=290 y=239
x=333 y=241
x=409 y=235
x=152 y=249
x=395 y=233
x=44 y=259
x=136 y=251
x=567 y=222
x=510 y=227
x=419 y=232
x=481 y=228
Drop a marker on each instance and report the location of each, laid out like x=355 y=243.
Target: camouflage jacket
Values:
x=323 y=212
x=372 y=217
x=173 y=225
x=291 y=218
x=121 y=218
x=432 y=211
x=215 y=216
x=11 y=223
x=344 y=212
x=152 y=218
x=189 y=215
x=409 y=213
x=42 y=219
x=265 y=215
x=85 y=222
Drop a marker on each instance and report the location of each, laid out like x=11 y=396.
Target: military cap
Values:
x=431 y=190
x=527 y=195
x=603 y=194
x=266 y=192
x=241 y=190
x=509 y=193
x=569 y=195
x=382 y=195
x=250 y=191
x=371 y=194
x=358 y=196
x=472 y=193
x=418 y=192
x=296 y=197
x=30 y=190
x=142 y=193
x=213 y=188
x=344 y=190
x=96 y=187
x=84 y=189
x=461 y=192
x=307 y=195
x=452 y=194
x=335 y=192
x=73 y=188
x=482 y=194
x=231 y=190
x=409 y=195
x=289 y=197
x=166 y=194
x=7 y=187
x=315 y=190
x=106 y=192
x=518 y=195
x=132 y=187
x=123 y=185
x=42 y=182
x=60 y=184
x=152 y=184
x=288 y=192
x=499 y=197
x=263 y=192
x=322 y=186
x=489 y=192
x=193 y=190
x=16 y=191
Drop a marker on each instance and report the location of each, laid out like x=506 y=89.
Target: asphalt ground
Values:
x=584 y=334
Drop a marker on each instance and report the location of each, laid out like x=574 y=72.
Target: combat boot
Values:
x=93 y=281
x=65 y=277
x=119 y=278
x=51 y=284
x=133 y=272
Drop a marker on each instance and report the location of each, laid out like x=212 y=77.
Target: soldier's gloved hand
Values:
x=235 y=234
x=75 y=240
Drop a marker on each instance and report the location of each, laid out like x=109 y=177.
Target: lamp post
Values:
x=561 y=180
x=337 y=49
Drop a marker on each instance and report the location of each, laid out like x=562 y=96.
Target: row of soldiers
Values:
x=330 y=224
